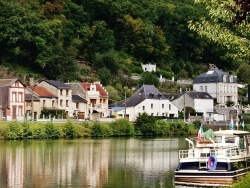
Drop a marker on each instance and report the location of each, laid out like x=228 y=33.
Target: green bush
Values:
x=70 y=130
x=100 y=130
x=27 y=130
x=122 y=127
x=52 y=131
x=14 y=131
x=39 y=131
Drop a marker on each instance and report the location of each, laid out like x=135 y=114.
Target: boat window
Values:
x=229 y=140
x=242 y=143
x=218 y=139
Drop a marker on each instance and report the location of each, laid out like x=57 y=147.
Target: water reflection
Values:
x=89 y=163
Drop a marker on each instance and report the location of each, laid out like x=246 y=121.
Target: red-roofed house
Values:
x=95 y=95
x=37 y=98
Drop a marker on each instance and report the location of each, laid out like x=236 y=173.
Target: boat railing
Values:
x=218 y=152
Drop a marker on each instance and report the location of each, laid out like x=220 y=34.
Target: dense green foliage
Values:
x=50 y=38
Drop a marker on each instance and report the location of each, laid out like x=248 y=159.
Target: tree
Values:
x=243 y=73
x=228 y=26
x=150 y=79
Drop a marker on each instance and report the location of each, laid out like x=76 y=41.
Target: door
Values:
x=14 y=112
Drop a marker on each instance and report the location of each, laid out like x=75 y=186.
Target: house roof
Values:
x=57 y=84
x=77 y=98
x=8 y=82
x=143 y=93
x=29 y=97
x=199 y=95
x=86 y=87
x=42 y=91
x=213 y=75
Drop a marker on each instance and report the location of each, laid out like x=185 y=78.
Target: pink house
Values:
x=12 y=102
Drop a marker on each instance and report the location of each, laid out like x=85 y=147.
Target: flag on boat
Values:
x=199 y=133
x=231 y=125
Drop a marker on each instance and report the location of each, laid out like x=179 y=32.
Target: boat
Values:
x=215 y=159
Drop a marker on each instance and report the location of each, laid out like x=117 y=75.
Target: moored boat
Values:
x=215 y=159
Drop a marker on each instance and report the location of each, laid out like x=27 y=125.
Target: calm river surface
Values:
x=114 y=162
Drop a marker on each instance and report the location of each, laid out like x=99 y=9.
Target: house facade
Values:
x=149 y=67
x=12 y=99
x=201 y=102
x=38 y=98
x=96 y=98
x=146 y=99
x=62 y=92
x=221 y=86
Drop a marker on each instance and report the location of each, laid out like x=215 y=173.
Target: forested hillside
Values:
x=90 y=40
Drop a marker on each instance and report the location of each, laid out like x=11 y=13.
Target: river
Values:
x=90 y=163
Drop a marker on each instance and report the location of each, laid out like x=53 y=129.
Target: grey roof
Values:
x=77 y=98
x=144 y=92
x=29 y=97
x=7 y=82
x=213 y=75
x=57 y=84
x=199 y=95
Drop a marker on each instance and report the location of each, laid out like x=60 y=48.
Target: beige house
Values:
x=96 y=98
x=12 y=101
x=62 y=92
x=37 y=98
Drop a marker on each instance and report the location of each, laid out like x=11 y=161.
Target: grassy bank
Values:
x=34 y=130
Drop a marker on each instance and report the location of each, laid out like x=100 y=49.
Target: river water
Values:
x=90 y=163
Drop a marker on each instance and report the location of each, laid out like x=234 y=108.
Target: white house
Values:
x=149 y=67
x=220 y=85
x=146 y=99
x=201 y=102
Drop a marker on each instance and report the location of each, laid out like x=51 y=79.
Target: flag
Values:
x=199 y=133
x=231 y=125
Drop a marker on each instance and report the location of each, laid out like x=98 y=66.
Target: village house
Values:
x=221 y=86
x=12 y=101
x=146 y=99
x=96 y=97
x=38 y=98
x=62 y=92
x=201 y=102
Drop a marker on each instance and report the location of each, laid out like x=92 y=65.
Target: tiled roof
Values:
x=145 y=92
x=57 y=84
x=213 y=75
x=86 y=87
x=42 y=91
x=6 y=82
x=77 y=98
x=199 y=95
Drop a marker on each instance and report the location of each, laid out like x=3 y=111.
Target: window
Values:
x=201 y=88
x=205 y=88
x=162 y=105
x=77 y=105
x=13 y=96
x=67 y=92
x=152 y=114
x=143 y=107
x=61 y=91
x=163 y=114
x=169 y=106
x=16 y=84
x=44 y=103
x=104 y=100
x=152 y=106
x=67 y=103
x=53 y=103
x=225 y=78
x=20 y=97
x=28 y=104
x=61 y=102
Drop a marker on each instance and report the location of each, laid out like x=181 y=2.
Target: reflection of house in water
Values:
x=42 y=165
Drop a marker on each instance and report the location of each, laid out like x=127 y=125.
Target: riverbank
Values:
x=35 y=130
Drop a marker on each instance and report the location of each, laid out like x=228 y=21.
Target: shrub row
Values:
x=122 y=127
